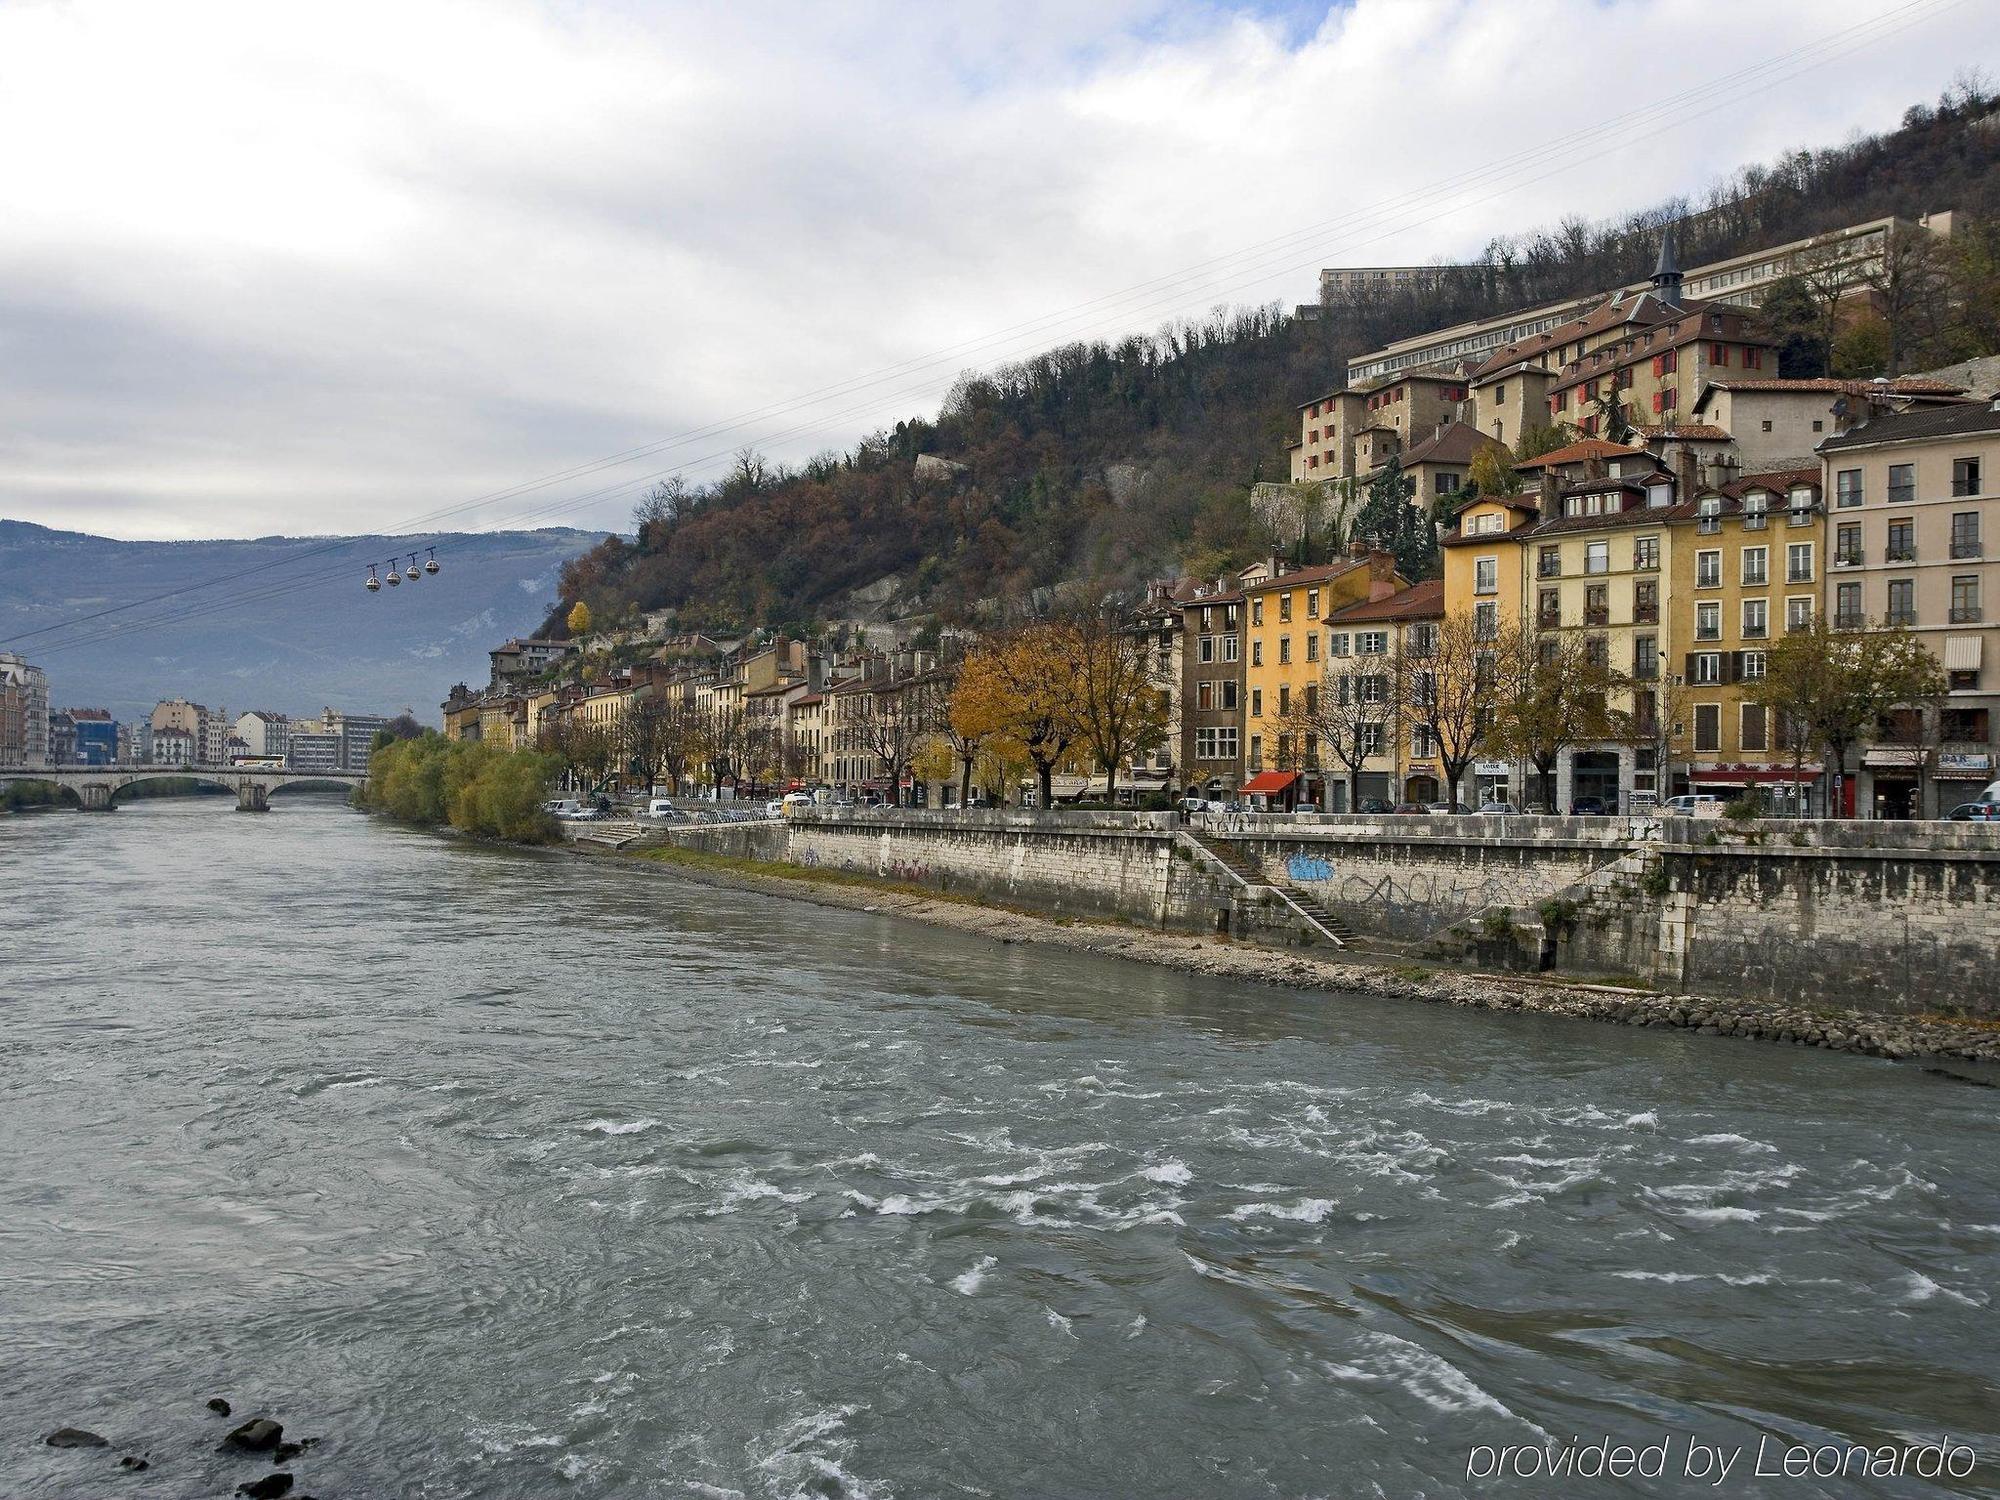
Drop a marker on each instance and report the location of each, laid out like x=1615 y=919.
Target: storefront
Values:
x=1272 y=791
x=1790 y=793
x=1492 y=781
x=1421 y=784
x=1961 y=776
x=1594 y=777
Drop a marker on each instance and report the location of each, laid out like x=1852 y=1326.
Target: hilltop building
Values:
x=24 y=712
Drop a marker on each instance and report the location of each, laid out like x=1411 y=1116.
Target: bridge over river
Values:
x=96 y=788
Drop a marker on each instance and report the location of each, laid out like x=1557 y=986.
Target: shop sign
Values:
x=1491 y=767
x=1964 y=763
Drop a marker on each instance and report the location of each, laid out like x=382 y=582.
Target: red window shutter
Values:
x=1656 y=365
x=1656 y=401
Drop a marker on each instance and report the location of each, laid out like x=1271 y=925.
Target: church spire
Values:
x=1667 y=274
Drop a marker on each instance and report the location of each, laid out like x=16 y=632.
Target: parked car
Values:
x=1194 y=804
x=1693 y=805
x=775 y=808
x=1438 y=807
x=1374 y=805
x=1588 y=807
x=798 y=799
x=562 y=807
x=1410 y=807
x=1974 y=812
x=1499 y=809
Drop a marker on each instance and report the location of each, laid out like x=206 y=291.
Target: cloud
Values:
x=329 y=267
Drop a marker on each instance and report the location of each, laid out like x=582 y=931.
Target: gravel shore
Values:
x=1873 y=1035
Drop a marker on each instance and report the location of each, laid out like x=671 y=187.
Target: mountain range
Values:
x=284 y=624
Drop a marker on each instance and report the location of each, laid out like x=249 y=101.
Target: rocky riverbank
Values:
x=1940 y=1038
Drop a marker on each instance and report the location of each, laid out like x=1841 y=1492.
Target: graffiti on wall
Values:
x=1308 y=867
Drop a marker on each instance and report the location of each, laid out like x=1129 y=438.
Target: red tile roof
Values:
x=1453 y=443
x=1581 y=451
x=1686 y=432
x=1421 y=601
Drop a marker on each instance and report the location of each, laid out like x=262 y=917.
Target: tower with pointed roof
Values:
x=1667 y=274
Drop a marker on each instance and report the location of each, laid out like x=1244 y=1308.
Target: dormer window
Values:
x=1659 y=496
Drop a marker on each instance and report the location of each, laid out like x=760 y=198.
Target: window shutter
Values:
x=1688 y=673
x=1656 y=395
x=1658 y=368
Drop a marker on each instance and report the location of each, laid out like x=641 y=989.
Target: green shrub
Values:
x=1557 y=914
x=1497 y=924
x=1748 y=806
x=471 y=786
x=1656 y=882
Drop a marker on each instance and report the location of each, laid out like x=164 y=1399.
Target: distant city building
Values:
x=519 y=660
x=263 y=732
x=62 y=738
x=24 y=712
x=207 y=729
x=313 y=749
x=1338 y=280
x=172 y=747
x=96 y=736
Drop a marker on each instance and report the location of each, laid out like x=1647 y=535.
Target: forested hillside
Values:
x=1119 y=461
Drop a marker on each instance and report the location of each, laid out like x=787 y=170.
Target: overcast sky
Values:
x=331 y=267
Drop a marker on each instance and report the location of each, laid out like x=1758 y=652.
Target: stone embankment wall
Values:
x=1097 y=864
x=1881 y=916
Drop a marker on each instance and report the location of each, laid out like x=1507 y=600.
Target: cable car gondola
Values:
x=374 y=584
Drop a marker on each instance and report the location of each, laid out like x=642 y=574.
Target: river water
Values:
x=511 y=1174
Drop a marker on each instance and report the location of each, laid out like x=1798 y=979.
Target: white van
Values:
x=662 y=807
x=1693 y=805
x=563 y=807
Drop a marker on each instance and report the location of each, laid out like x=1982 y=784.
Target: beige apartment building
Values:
x=1913 y=506
x=1351 y=432
x=1779 y=424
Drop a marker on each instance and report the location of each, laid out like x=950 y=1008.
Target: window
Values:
x=1284 y=698
x=1597 y=604
x=1312 y=699
x=1753 y=359
x=1256 y=703
x=1370 y=642
x=1962 y=725
x=1646 y=554
x=1708 y=570
x=1228 y=696
x=1312 y=645
x=1756 y=568
x=1336 y=643
x=1597 y=651
x=1964 y=598
x=1756 y=619
x=1550 y=563
x=1597 y=557
x=1753 y=735
x=1256 y=611
x=1207 y=649
x=1847 y=489
x=1645 y=657
x=1965 y=534
x=1284 y=649
x=1766 y=424
x=1370 y=688
x=1256 y=653
x=1801 y=506
x=1548 y=608
x=1902 y=484
x=1799 y=614
x=1799 y=562
x=1486 y=621
x=1216 y=744
x=1204 y=694
x=1284 y=606
x=1707 y=727
x=1847 y=545
x=1423 y=639
x=1708 y=667
x=1422 y=746
x=1755 y=505
x=1486 y=575
x=1753 y=666
x=1965 y=476
x=1718 y=354
x=1645 y=602
x=1902 y=542
x=1312 y=604
x=1368 y=739
x=1229 y=648
x=1708 y=621
x=1902 y=601
x=1847 y=606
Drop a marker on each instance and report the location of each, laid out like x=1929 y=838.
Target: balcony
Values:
x=1964 y=547
x=1853 y=557
x=1645 y=614
x=1753 y=632
x=1849 y=619
x=1547 y=621
x=1708 y=632
x=1967 y=614
x=1755 y=520
x=1549 y=567
x=1901 y=617
x=1756 y=580
x=1646 y=671
x=1960 y=488
x=1902 y=494
x=1646 y=564
x=1798 y=627
x=1601 y=615
x=1799 y=575
x=1900 y=554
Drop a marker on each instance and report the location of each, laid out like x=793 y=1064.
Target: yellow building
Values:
x=1748 y=565
x=1285 y=654
x=1369 y=640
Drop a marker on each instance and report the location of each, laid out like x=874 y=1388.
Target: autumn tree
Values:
x=1028 y=675
x=1445 y=683
x=1838 y=685
x=1349 y=714
x=974 y=718
x=891 y=720
x=578 y=620
x=1120 y=711
x=1555 y=692
x=1491 y=471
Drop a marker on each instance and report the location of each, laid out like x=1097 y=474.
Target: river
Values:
x=512 y=1174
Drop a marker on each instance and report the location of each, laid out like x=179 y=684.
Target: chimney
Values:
x=1357 y=548
x=1548 y=493
x=1690 y=475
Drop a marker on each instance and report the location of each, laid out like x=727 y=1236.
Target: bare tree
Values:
x=893 y=717
x=1121 y=711
x=1450 y=693
x=1350 y=714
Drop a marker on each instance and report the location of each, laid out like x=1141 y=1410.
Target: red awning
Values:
x=1269 y=783
x=1743 y=776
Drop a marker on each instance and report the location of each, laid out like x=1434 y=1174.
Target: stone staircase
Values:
x=1250 y=876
